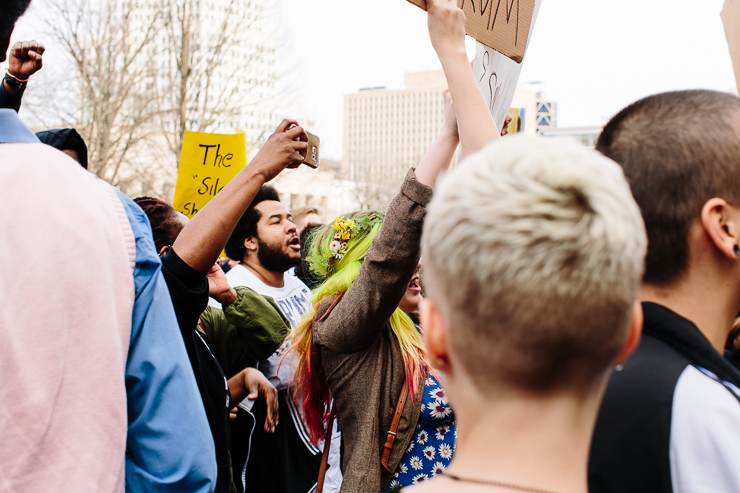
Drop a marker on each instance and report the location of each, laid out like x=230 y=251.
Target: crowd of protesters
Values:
x=577 y=331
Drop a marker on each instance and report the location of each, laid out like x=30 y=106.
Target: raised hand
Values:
x=286 y=148
x=475 y=124
x=25 y=59
x=204 y=237
x=446 y=27
x=218 y=287
x=505 y=130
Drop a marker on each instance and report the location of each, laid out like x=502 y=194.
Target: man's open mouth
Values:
x=414 y=284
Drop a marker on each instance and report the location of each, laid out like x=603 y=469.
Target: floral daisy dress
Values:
x=433 y=444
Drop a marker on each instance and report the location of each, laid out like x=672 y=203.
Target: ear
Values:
x=163 y=251
x=720 y=223
x=435 y=335
x=633 y=335
x=250 y=243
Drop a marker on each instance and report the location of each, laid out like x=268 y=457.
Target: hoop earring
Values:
x=737 y=250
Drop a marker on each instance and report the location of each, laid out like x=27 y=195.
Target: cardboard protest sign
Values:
x=731 y=20
x=207 y=163
x=497 y=76
x=503 y=25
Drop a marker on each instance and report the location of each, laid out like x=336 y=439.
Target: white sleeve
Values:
x=333 y=480
x=705 y=435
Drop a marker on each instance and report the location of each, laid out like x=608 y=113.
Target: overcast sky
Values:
x=592 y=57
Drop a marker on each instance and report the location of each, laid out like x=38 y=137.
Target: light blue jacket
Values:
x=169 y=446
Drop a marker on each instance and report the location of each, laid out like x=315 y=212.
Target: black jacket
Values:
x=672 y=415
x=280 y=462
x=9 y=100
x=189 y=292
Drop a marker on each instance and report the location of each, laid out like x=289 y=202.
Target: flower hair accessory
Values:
x=338 y=247
x=345 y=229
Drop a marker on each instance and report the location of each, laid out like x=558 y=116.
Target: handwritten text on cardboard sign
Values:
x=501 y=24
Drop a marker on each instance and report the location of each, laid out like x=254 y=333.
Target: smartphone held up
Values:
x=312 y=154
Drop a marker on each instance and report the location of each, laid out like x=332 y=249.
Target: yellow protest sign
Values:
x=207 y=163
x=517 y=121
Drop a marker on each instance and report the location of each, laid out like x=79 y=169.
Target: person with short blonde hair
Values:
x=533 y=254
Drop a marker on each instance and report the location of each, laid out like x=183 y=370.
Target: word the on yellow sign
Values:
x=207 y=163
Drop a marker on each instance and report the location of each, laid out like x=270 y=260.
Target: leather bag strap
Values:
x=331 y=308
x=327 y=443
x=391 y=436
x=325 y=454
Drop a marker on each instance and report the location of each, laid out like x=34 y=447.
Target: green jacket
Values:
x=245 y=332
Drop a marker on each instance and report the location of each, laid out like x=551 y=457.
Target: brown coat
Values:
x=362 y=359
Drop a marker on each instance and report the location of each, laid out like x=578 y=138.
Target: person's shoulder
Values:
x=136 y=215
x=292 y=282
x=46 y=167
x=240 y=276
x=700 y=393
x=705 y=438
x=147 y=257
x=650 y=374
x=325 y=306
x=640 y=395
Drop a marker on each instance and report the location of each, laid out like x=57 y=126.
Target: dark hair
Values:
x=165 y=224
x=303 y=270
x=678 y=150
x=247 y=225
x=12 y=10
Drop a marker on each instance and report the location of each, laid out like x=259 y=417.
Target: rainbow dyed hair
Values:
x=311 y=386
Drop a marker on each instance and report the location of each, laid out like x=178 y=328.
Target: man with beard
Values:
x=266 y=243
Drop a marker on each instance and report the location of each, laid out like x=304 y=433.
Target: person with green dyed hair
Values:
x=360 y=353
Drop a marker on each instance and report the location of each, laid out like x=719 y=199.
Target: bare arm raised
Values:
x=439 y=156
x=447 y=32
x=365 y=308
x=201 y=241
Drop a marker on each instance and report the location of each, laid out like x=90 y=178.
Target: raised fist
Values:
x=25 y=59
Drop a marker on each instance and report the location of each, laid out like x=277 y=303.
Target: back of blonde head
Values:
x=534 y=249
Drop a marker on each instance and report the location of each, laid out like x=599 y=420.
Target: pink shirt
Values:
x=66 y=295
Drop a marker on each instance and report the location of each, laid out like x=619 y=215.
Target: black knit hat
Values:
x=65 y=139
